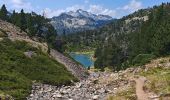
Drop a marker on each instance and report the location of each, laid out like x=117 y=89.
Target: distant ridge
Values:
x=78 y=21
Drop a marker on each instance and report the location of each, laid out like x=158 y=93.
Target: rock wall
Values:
x=12 y=30
x=76 y=69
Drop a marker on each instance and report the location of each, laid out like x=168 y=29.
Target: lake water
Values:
x=85 y=60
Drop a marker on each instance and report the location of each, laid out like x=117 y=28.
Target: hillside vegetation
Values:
x=156 y=81
x=18 y=70
x=36 y=26
x=132 y=40
x=150 y=40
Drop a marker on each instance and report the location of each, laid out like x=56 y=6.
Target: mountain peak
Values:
x=79 y=20
x=83 y=13
x=79 y=13
x=80 y=10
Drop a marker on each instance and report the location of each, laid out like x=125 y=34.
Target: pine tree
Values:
x=30 y=26
x=3 y=13
x=22 y=21
x=13 y=18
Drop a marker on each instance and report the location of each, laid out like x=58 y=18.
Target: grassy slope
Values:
x=158 y=80
x=18 y=71
x=129 y=94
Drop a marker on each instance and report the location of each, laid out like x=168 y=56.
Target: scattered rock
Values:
x=58 y=96
x=31 y=95
x=1 y=39
x=30 y=54
x=88 y=89
x=154 y=97
x=95 y=97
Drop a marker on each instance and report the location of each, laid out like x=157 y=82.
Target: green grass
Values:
x=128 y=94
x=142 y=59
x=18 y=71
x=159 y=80
x=86 y=52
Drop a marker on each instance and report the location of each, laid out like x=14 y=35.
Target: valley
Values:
x=80 y=55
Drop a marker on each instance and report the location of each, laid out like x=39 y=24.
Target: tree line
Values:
x=35 y=25
x=150 y=40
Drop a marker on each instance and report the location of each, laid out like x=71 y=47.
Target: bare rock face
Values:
x=78 y=21
x=77 y=70
x=12 y=30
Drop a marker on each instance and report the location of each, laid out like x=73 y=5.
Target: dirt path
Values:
x=141 y=95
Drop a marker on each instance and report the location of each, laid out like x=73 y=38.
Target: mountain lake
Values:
x=84 y=59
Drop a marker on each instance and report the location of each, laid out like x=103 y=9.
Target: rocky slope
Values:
x=111 y=85
x=77 y=70
x=14 y=33
x=80 y=20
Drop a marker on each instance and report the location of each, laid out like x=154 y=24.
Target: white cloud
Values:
x=74 y=8
x=132 y=6
x=50 y=13
x=22 y=4
x=17 y=2
x=97 y=9
x=86 y=1
x=18 y=5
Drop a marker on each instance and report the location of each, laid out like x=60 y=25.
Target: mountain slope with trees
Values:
x=35 y=25
x=135 y=38
x=22 y=60
x=116 y=28
x=138 y=47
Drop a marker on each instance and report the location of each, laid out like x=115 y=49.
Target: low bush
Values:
x=142 y=59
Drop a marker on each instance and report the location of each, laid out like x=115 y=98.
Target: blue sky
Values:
x=114 y=8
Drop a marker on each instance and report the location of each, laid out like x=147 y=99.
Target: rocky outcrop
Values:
x=12 y=30
x=29 y=54
x=15 y=33
x=144 y=18
x=76 y=69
